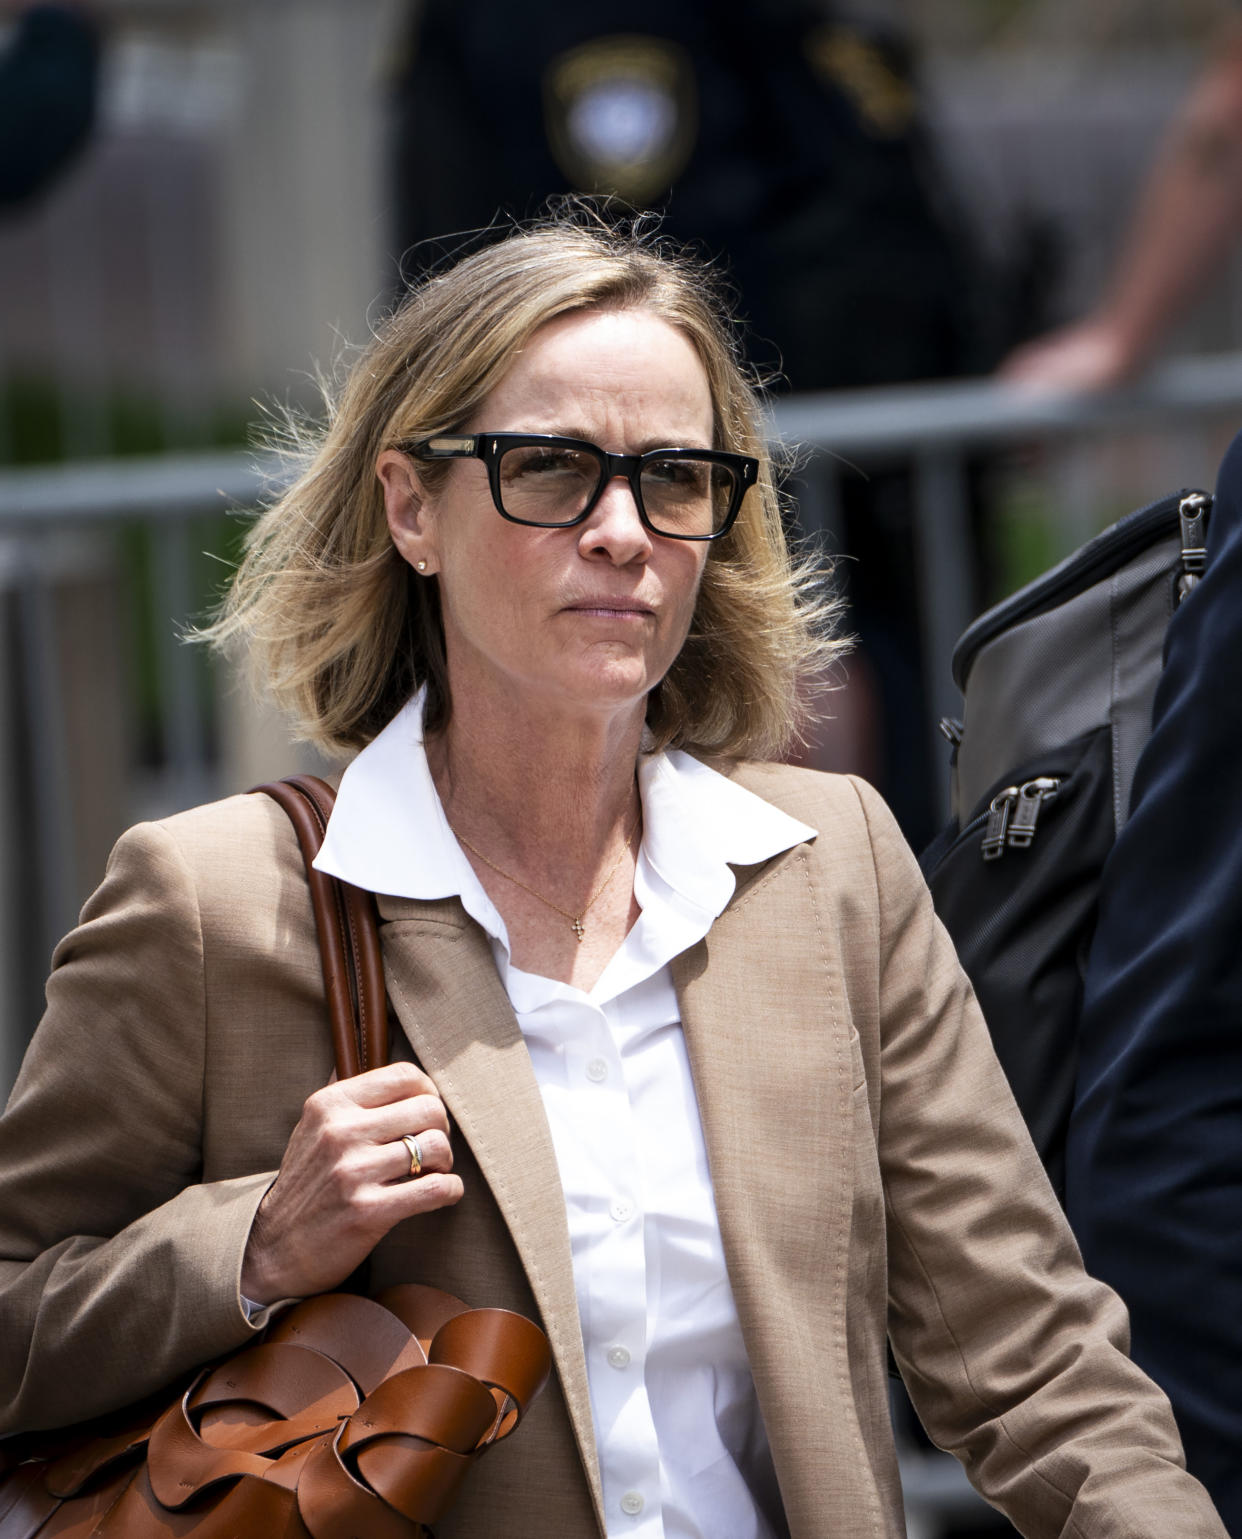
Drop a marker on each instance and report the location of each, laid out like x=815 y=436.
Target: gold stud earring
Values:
x=421 y=566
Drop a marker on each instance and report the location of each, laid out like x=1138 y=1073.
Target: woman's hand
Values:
x=345 y=1181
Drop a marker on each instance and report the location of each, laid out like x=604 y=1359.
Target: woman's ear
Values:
x=407 y=510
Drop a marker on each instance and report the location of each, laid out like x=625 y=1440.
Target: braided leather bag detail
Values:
x=351 y=1416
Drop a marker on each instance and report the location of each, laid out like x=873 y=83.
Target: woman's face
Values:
x=588 y=618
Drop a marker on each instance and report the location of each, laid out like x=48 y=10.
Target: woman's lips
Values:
x=612 y=609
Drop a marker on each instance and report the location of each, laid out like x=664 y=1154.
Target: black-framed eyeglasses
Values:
x=554 y=483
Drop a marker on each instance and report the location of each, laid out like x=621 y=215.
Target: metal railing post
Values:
x=946 y=602
x=47 y=751
x=817 y=489
x=184 y=740
x=12 y=1033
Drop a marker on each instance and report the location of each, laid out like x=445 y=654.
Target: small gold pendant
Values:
x=576 y=926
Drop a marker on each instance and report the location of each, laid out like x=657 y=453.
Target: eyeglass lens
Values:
x=548 y=484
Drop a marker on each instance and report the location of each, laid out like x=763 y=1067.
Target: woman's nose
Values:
x=615 y=528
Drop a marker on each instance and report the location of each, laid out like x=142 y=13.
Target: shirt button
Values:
x=597 y=1070
x=621 y=1209
x=632 y=1503
x=619 y=1357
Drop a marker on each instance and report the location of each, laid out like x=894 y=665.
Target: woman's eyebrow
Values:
x=670 y=441
x=645 y=446
x=664 y=441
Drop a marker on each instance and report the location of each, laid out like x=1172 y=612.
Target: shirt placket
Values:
x=611 y=1276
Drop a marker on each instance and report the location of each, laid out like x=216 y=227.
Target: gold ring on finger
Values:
x=415 y=1153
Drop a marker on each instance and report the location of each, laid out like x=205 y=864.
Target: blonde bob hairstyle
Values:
x=341 y=631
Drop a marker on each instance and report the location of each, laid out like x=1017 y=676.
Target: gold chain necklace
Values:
x=575 y=920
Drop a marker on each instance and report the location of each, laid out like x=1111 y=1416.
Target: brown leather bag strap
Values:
x=348 y=929
x=351 y=1415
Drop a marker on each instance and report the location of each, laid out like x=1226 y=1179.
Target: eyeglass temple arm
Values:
x=447 y=448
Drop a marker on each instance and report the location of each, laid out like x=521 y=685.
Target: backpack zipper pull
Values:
x=1192 y=512
x=1031 y=798
x=993 y=845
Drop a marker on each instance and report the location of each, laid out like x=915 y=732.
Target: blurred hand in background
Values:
x=1188 y=218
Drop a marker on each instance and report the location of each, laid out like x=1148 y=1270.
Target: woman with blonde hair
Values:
x=686 y=1067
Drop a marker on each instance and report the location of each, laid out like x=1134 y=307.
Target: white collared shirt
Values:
x=682 y=1447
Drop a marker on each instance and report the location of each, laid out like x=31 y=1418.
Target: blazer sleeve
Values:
x=119 y=1266
x=1014 y=1358
x=1154 y=1156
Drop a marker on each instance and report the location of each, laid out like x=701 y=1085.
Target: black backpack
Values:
x=1058 y=681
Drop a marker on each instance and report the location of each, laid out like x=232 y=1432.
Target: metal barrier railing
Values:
x=936 y=426
x=932 y=427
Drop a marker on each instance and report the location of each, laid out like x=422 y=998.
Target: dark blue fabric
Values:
x=1154 y=1180
x=49 y=75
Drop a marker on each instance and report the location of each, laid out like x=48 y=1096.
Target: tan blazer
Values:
x=870 y=1170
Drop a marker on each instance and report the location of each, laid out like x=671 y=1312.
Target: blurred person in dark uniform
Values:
x=783 y=136
x=49 y=87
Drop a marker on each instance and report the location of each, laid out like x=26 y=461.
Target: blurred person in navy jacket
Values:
x=1155 y=1148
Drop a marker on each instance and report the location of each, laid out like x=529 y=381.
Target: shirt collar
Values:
x=698 y=824
x=388 y=832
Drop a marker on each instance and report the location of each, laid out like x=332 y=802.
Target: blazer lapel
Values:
x=775 y=1081
x=452 y=1007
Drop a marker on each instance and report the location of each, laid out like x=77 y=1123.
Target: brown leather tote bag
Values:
x=349 y=1416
